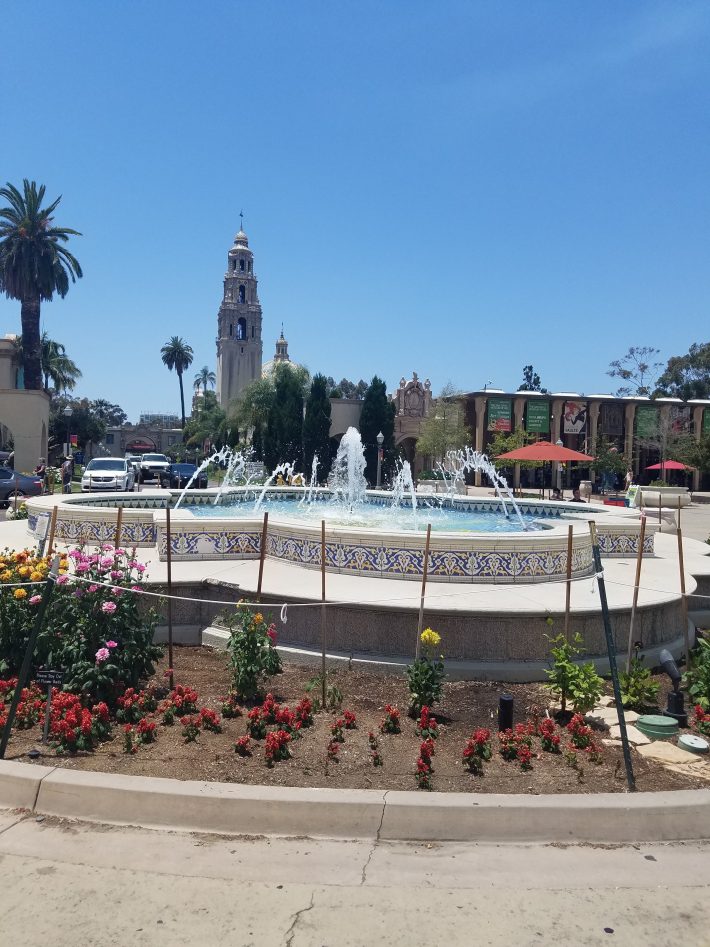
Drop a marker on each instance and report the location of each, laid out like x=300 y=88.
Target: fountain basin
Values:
x=460 y=556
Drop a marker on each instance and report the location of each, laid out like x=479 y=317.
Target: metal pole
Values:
x=168 y=535
x=611 y=651
x=634 y=603
x=379 y=465
x=262 y=555
x=322 y=613
x=47 y=713
x=119 y=525
x=568 y=591
x=425 y=567
x=684 y=600
x=24 y=671
x=52 y=530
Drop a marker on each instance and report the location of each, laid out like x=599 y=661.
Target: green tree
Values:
x=88 y=427
x=210 y=424
x=635 y=370
x=531 y=380
x=445 y=427
x=687 y=376
x=283 y=440
x=250 y=414
x=57 y=367
x=377 y=416
x=316 y=428
x=33 y=265
x=112 y=415
x=204 y=378
x=503 y=443
x=346 y=388
x=176 y=354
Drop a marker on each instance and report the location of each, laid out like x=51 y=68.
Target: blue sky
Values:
x=457 y=189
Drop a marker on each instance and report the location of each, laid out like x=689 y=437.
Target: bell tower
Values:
x=239 y=346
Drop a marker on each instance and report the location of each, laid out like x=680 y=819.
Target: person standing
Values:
x=66 y=475
x=41 y=471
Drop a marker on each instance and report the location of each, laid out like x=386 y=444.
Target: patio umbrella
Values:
x=670 y=465
x=544 y=450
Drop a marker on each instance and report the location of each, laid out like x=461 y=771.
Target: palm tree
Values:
x=57 y=367
x=204 y=378
x=177 y=354
x=33 y=264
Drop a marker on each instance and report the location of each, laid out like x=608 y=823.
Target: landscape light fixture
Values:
x=68 y=411
x=676 y=704
x=380 y=442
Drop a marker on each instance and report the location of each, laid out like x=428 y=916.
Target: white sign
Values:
x=41 y=526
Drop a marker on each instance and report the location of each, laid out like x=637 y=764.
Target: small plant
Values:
x=427 y=726
x=190 y=728
x=638 y=689
x=390 y=721
x=701 y=720
x=145 y=731
x=209 y=720
x=375 y=755
x=242 y=746
x=129 y=745
x=578 y=683
x=549 y=738
x=350 y=720
x=256 y=724
x=696 y=679
x=516 y=744
x=169 y=712
x=425 y=676
x=583 y=738
x=252 y=653
x=276 y=747
x=332 y=751
x=424 y=767
x=477 y=749
x=230 y=707
x=333 y=694
x=336 y=730
x=304 y=713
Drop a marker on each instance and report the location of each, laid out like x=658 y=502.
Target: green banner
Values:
x=706 y=421
x=647 y=422
x=537 y=417
x=500 y=414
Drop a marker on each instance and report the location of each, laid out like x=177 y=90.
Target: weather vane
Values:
x=241 y=216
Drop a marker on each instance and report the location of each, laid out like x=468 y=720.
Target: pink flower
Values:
x=82 y=567
x=116 y=574
x=108 y=608
x=79 y=593
x=62 y=580
x=106 y=562
x=116 y=591
x=111 y=644
x=93 y=588
x=136 y=588
x=106 y=546
x=140 y=567
x=103 y=654
x=35 y=600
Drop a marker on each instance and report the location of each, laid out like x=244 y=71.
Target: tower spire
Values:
x=241 y=220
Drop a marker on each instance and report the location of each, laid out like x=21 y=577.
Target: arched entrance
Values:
x=141 y=445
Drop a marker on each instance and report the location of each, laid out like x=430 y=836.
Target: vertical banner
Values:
x=611 y=420
x=706 y=421
x=537 y=417
x=575 y=417
x=680 y=419
x=500 y=414
x=646 y=422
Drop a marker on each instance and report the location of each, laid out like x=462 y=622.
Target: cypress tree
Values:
x=377 y=416
x=316 y=429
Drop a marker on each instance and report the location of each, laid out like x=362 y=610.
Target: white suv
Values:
x=151 y=466
x=107 y=473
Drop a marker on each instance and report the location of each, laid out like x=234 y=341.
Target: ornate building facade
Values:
x=239 y=343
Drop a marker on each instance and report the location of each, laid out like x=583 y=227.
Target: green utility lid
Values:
x=693 y=743
x=657 y=727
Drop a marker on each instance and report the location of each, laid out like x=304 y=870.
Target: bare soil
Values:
x=465 y=706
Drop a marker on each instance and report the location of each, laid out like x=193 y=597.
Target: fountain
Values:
x=347 y=477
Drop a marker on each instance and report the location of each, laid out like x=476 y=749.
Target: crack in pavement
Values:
x=291 y=932
x=377 y=839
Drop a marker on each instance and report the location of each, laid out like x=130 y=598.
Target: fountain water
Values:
x=401 y=483
x=463 y=461
x=312 y=483
x=347 y=478
x=284 y=470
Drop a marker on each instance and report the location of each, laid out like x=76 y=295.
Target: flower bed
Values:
x=298 y=747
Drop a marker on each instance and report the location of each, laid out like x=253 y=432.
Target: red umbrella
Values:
x=670 y=465
x=544 y=450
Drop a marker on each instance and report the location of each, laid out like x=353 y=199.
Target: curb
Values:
x=235 y=809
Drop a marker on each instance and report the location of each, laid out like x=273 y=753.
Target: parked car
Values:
x=151 y=465
x=107 y=473
x=135 y=462
x=178 y=475
x=26 y=486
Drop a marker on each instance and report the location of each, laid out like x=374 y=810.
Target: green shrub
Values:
x=578 y=683
x=425 y=676
x=638 y=689
x=252 y=653
x=696 y=679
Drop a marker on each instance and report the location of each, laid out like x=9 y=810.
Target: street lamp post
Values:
x=380 y=442
x=68 y=411
x=559 y=443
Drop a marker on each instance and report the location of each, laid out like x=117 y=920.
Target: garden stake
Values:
x=659 y=507
x=15 y=498
x=425 y=566
x=170 y=594
x=322 y=611
x=119 y=524
x=630 y=779
x=637 y=580
x=262 y=555
x=679 y=511
x=52 y=529
x=24 y=672
x=684 y=600
x=568 y=591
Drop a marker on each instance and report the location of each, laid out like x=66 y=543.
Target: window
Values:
x=109 y=438
x=241 y=265
x=242 y=294
x=242 y=329
x=232 y=265
x=252 y=332
x=250 y=266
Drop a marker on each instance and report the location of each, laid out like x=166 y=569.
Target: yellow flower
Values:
x=258 y=618
x=36 y=576
x=24 y=570
x=430 y=638
x=20 y=593
x=6 y=575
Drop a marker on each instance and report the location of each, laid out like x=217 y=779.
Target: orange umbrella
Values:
x=544 y=450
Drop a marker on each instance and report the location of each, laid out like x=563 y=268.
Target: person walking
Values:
x=66 y=475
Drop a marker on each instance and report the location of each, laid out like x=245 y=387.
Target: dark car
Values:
x=178 y=475
x=11 y=480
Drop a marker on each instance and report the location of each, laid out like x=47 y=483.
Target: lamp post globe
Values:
x=68 y=411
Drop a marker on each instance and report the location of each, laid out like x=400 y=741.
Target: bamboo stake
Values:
x=684 y=600
x=568 y=590
x=678 y=511
x=425 y=568
x=659 y=507
x=52 y=530
x=119 y=527
x=322 y=613
x=170 y=593
x=262 y=555
x=637 y=580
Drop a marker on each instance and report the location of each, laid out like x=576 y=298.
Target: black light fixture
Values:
x=676 y=703
x=505 y=712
